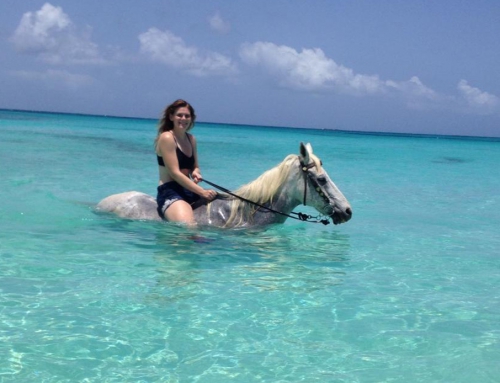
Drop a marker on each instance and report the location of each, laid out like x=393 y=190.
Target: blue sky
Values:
x=427 y=67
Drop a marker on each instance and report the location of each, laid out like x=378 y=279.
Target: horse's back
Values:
x=137 y=205
x=131 y=204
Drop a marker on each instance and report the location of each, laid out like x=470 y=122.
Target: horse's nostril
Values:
x=348 y=211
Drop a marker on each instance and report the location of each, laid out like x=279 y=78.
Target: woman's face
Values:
x=181 y=118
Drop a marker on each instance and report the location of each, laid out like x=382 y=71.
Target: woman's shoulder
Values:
x=166 y=141
x=166 y=136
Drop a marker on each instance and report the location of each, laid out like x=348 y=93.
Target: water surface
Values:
x=405 y=291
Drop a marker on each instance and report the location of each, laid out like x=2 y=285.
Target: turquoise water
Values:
x=407 y=291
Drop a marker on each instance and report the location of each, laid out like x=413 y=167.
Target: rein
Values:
x=298 y=216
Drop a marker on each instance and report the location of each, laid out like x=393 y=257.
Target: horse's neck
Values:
x=282 y=198
x=284 y=201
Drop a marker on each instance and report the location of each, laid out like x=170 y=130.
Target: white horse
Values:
x=269 y=199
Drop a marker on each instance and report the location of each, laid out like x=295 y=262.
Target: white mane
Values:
x=264 y=188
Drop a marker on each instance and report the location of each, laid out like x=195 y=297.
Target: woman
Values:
x=178 y=165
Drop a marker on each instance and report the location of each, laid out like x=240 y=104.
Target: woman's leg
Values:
x=180 y=211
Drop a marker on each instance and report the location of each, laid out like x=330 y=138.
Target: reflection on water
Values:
x=276 y=242
x=181 y=262
x=190 y=262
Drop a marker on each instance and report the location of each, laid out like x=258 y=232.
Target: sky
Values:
x=429 y=67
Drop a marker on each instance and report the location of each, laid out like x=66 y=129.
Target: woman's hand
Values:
x=196 y=175
x=209 y=195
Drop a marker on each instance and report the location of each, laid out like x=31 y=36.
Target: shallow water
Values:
x=405 y=291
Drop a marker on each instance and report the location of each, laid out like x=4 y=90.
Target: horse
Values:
x=270 y=199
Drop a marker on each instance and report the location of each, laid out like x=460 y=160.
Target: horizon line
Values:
x=360 y=132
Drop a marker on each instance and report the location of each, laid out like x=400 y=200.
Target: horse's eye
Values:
x=322 y=180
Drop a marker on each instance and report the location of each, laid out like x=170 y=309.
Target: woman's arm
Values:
x=196 y=173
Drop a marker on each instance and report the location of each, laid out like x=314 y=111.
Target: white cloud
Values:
x=311 y=70
x=171 y=50
x=417 y=95
x=478 y=100
x=50 y=34
x=413 y=88
x=308 y=70
x=218 y=24
x=57 y=78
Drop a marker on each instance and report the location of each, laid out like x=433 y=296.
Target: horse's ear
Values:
x=305 y=151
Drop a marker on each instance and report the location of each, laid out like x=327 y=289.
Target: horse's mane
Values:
x=263 y=189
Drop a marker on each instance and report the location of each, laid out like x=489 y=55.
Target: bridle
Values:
x=305 y=169
x=299 y=216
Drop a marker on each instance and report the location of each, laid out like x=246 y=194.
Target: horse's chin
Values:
x=336 y=219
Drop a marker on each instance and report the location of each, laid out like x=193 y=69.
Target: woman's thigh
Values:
x=180 y=211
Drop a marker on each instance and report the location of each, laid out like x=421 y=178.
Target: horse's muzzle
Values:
x=341 y=216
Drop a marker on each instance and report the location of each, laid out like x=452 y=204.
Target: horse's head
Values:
x=319 y=190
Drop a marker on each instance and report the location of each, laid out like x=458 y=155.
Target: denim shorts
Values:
x=170 y=192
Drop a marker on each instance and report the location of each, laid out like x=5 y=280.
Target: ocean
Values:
x=407 y=291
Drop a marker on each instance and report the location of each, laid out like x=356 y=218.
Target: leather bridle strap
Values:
x=316 y=185
x=305 y=169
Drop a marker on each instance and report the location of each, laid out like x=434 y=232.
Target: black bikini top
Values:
x=185 y=162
